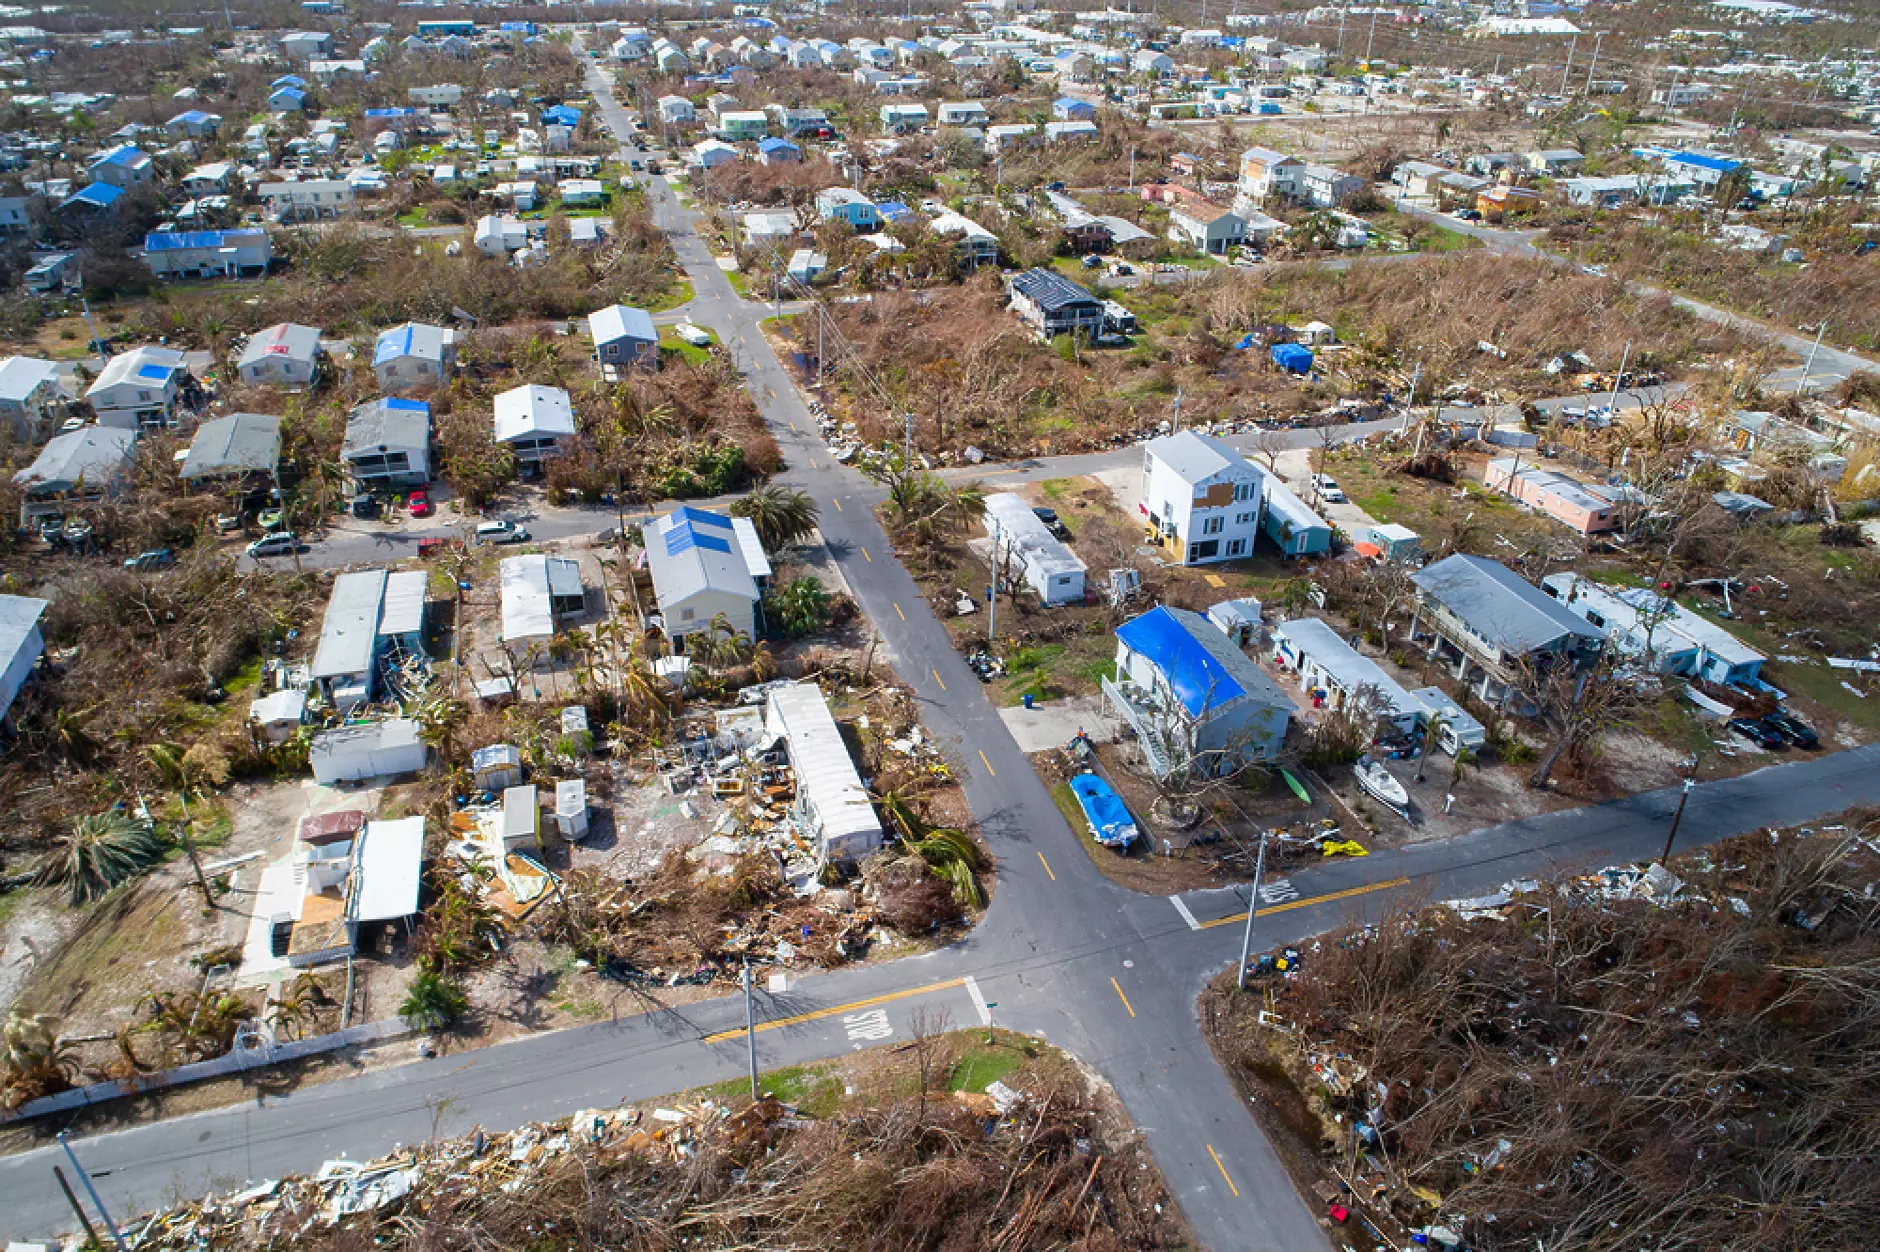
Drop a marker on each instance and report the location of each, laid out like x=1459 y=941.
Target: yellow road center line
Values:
x=793 y=429
x=1047 y=866
x=850 y=1007
x=988 y=764
x=866 y=557
x=836 y=502
x=1125 y=1000
x=937 y=678
x=1224 y=1178
x=898 y=613
x=1300 y=904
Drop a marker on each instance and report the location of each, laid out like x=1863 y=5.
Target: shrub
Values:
x=434 y=1001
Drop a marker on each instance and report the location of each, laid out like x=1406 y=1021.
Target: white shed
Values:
x=831 y=803
x=1050 y=568
x=368 y=750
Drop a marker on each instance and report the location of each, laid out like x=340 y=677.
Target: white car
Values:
x=692 y=335
x=501 y=532
x=1329 y=491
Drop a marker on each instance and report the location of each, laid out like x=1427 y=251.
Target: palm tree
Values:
x=802 y=606
x=183 y=770
x=100 y=851
x=782 y=516
x=433 y=1001
x=34 y=1061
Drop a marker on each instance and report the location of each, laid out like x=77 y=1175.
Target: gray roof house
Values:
x=284 y=355
x=1488 y=621
x=1053 y=305
x=20 y=646
x=623 y=336
x=700 y=571
x=234 y=447
x=533 y=420
x=88 y=461
x=388 y=442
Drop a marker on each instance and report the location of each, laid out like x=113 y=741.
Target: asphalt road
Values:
x=1062 y=953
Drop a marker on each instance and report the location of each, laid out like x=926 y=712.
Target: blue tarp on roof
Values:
x=561 y=115
x=175 y=240
x=290 y=93
x=776 y=145
x=685 y=533
x=1197 y=679
x=97 y=195
x=392 y=344
x=155 y=373
x=702 y=517
x=289 y=80
x=126 y=154
x=894 y=211
x=398 y=405
x=194 y=117
x=391 y=113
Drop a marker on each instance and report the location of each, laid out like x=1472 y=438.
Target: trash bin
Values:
x=1028 y=699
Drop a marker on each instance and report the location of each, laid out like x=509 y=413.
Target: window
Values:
x=1243 y=491
x=1213 y=525
x=1243 y=519
x=1236 y=547
x=1596 y=618
x=1204 y=550
x=143 y=397
x=685 y=615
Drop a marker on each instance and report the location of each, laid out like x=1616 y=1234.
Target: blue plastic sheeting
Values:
x=1292 y=357
x=98 y=195
x=177 y=240
x=685 y=535
x=398 y=405
x=154 y=373
x=392 y=345
x=1246 y=341
x=1197 y=679
x=1109 y=817
x=702 y=517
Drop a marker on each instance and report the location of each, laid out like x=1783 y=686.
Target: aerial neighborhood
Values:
x=838 y=577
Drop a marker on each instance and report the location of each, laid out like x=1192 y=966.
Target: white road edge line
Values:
x=1183 y=910
x=979 y=1001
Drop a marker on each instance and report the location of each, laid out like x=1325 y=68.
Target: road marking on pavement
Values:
x=1047 y=866
x=1224 y=1178
x=794 y=430
x=1121 y=996
x=1214 y=580
x=988 y=764
x=869 y=559
x=898 y=613
x=937 y=678
x=837 y=1010
x=836 y=502
x=979 y=1002
x=1300 y=904
x=1183 y=910
x=812 y=463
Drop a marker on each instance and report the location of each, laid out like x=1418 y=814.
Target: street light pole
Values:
x=1808 y=369
x=1253 y=903
x=1684 y=795
x=750 y=1029
x=117 y=1236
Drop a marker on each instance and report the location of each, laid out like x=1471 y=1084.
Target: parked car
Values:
x=1793 y=729
x=364 y=505
x=269 y=519
x=501 y=532
x=419 y=502
x=278 y=543
x=1329 y=490
x=155 y=558
x=227 y=523
x=1052 y=522
x=1757 y=733
x=692 y=335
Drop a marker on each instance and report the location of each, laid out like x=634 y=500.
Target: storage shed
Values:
x=1238 y=619
x=571 y=816
x=368 y=750
x=521 y=819
x=1050 y=568
x=832 y=805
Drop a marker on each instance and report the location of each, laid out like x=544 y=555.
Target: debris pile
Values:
x=1038 y=1169
x=1667 y=1048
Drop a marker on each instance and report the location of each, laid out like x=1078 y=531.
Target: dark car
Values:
x=1052 y=523
x=1793 y=729
x=155 y=558
x=1758 y=734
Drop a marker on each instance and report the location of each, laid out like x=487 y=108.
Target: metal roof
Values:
x=750 y=547
x=1498 y=604
x=96 y=195
x=240 y=441
x=533 y=410
x=387 y=422
x=284 y=339
x=387 y=865
x=350 y=630
x=402 y=612
x=20 y=376
x=18 y=616
x=620 y=321
x=184 y=240
x=1019 y=528
x=1201 y=666
x=529 y=585
x=92 y=455
x=1051 y=291
x=1350 y=668
x=689 y=551
x=1196 y=457
x=828 y=785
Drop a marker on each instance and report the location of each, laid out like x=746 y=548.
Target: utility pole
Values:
x=1597 y=36
x=1612 y=406
x=1341 y=30
x=992 y=590
x=1253 y=904
x=1370 y=38
x=1569 y=70
x=1808 y=369
x=117 y=1236
x=750 y=1028
x=1178 y=412
x=1683 y=795
x=907 y=447
x=84 y=1218
x=97 y=344
x=1132 y=167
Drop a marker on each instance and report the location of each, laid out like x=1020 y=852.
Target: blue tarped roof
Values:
x=392 y=345
x=562 y=115
x=1197 y=679
x=98 y=195
x=691 y=530
x=398 y=404
x=155 y=373
x=1292 y=356
x=173 y=240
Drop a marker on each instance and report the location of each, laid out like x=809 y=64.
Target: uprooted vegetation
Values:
x=1619 y=1060
x=901 y=1149
x=974 y=375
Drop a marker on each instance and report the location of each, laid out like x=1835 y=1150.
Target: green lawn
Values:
x=670 y=342
x=984 y=1064
x=675 y=295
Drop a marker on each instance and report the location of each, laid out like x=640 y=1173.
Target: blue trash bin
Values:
x=1028 y=699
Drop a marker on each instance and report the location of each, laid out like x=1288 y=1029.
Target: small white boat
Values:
x=1382 y=785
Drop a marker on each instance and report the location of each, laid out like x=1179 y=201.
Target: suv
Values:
x=501 y=532
x=156 y=558
x=277 y=543
x=1329 y=490
x=1793 y=729
x=1765 y=737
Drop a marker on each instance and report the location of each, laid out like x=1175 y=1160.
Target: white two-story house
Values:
x=1200 y=499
